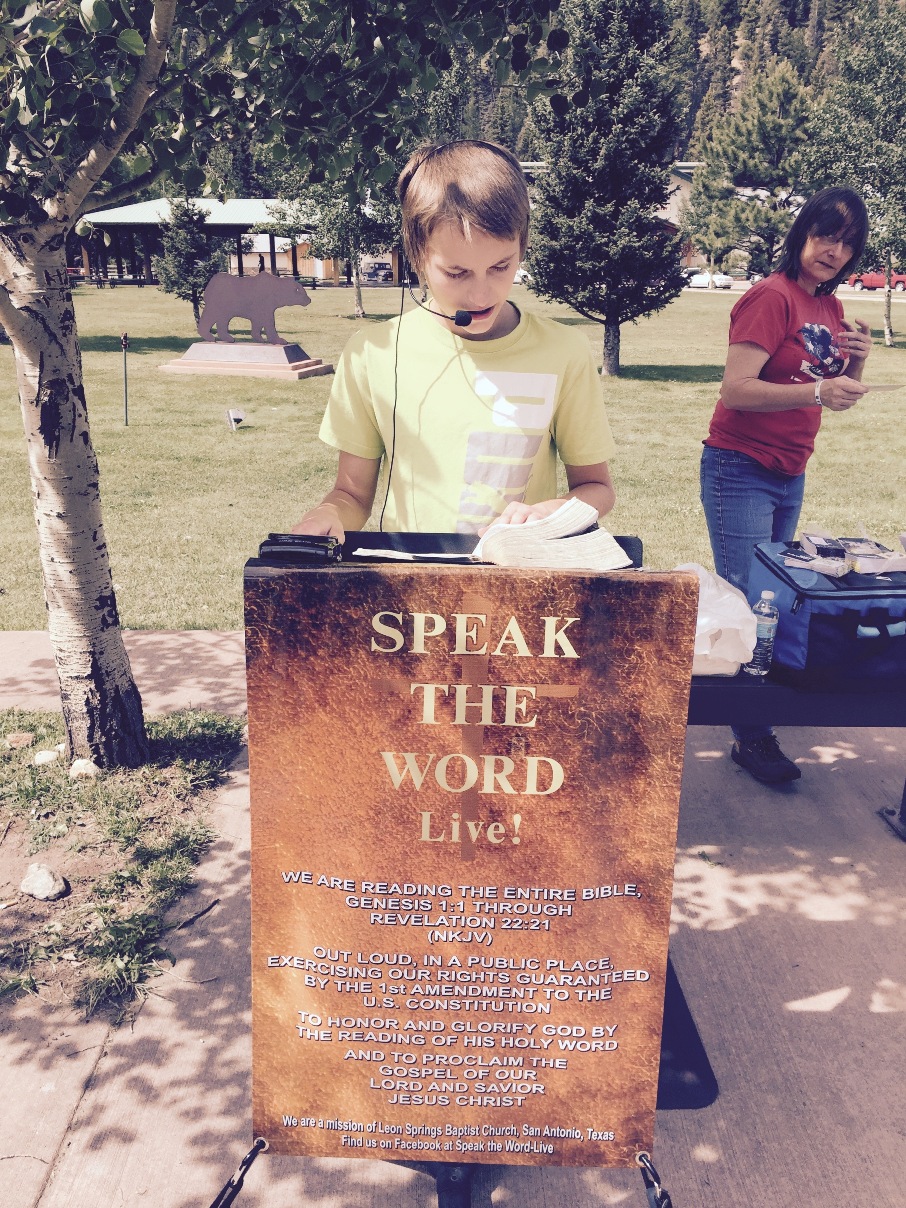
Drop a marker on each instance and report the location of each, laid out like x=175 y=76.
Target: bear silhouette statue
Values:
x=267 y=355
x=255 y=298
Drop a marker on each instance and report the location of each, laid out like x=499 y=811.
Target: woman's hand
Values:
x=855 y=339
x=841 y=393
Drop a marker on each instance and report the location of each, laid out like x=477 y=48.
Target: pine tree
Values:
x=597 y=243
x=755 y=160
x=765 y=40
x=722 y=12
x=689 y=66
x=870 y=106
x=190 y=256
x=720 y=75
x=708 y=216
x=760 y=145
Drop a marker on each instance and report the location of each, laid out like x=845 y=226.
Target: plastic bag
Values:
x=725 y=628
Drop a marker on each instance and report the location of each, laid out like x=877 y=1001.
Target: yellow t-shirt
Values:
x=476 y=424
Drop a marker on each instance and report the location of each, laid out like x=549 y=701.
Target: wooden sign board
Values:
x=465 y=786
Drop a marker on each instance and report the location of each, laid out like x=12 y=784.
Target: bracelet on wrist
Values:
x=818 y=402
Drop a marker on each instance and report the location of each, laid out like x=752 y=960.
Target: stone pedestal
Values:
x=248 y=360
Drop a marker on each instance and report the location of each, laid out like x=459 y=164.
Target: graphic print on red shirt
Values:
x=799 y=333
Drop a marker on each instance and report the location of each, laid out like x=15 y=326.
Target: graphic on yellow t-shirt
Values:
x=498 y=462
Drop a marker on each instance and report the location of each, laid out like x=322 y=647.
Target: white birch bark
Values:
x=357 y=286
x=101 y=705
x=888 y=295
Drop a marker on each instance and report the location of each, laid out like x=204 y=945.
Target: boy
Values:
x=467 y=399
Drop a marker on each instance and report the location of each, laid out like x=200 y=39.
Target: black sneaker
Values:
x=765 y=760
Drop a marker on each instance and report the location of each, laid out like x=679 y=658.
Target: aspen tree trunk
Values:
x=357 y=285
x=101 y=705
x=888 y=309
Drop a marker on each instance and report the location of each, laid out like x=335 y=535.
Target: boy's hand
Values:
x=350 y=500
x=518 y=513
x=322 y=521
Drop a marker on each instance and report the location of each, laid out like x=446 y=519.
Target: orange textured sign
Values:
x=465 y=786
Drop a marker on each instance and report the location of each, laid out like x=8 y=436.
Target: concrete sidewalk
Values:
x=788 y=938
x=198 y=669
x=159 y=1112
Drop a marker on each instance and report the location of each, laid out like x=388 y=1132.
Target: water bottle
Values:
x=767 y=616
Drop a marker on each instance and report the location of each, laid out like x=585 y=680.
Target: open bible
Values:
x=567 y=539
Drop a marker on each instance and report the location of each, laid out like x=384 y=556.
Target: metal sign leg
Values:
x=454 y=1184
x=896 y=819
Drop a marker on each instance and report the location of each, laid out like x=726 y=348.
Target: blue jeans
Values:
x=746 y=503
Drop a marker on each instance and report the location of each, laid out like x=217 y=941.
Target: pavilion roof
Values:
x=236 y=214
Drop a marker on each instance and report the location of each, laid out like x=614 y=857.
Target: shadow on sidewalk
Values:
x=166 y=1111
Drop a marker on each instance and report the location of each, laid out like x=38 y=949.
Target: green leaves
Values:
x=95 y=15
x=44 y=27
x=608 y=131
x=301 y=73
x=130 y=40
x=859 y=127
x=192 y=180
x=384 y=173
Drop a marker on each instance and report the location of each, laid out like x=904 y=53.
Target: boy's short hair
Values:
x=467 y=182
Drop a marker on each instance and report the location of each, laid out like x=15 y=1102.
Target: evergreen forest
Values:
x=763 y=100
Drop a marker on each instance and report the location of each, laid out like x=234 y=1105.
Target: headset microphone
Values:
x=462 y=318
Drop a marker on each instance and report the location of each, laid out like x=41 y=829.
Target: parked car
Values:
x=703 y=281
x=875 y=280
x=379 y=270
x=522 y=277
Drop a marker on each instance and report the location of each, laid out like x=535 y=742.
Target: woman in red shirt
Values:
x=792 y=356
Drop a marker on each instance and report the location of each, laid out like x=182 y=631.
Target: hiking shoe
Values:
x=763 y=758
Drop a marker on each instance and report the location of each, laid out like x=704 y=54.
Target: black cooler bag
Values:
x=833 y=633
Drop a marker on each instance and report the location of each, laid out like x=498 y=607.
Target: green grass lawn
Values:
x=186 y=500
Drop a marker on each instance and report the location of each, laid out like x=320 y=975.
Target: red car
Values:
x=875 y=280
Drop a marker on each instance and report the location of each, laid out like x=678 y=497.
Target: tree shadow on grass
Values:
x=370 y=316
x=137 y=344
x=706 y=374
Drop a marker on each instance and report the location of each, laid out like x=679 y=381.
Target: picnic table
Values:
x=746 y=700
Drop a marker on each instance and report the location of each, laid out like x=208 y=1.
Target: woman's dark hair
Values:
x=837 y=212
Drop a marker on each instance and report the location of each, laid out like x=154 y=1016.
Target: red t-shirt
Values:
x=799 y=334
